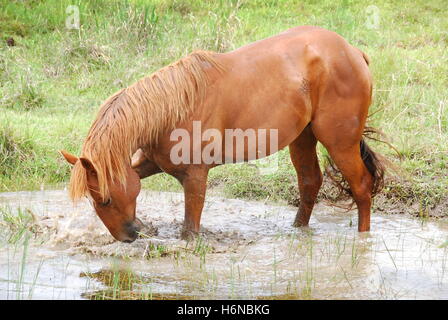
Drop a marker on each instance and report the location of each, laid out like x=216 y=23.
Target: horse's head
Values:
x=117 y=211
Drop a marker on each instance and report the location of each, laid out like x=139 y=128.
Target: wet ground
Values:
x=246 y=250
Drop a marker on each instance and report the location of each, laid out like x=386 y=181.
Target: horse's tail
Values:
x=374 y=163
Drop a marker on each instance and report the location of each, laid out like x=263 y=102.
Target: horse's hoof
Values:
x=298 y=224
x=188 y=235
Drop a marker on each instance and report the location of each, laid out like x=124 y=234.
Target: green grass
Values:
x=15 y=225
x=54 y=79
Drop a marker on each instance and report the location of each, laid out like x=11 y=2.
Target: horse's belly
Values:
x=255 y=143
x=264 y=123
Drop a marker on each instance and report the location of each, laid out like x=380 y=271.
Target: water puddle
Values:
x=247 y=250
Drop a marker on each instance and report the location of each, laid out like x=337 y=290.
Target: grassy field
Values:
x=53 y=80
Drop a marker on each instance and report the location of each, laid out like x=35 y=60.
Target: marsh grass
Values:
x=14 y=149
x=16 y=225
x=120 y=284
x=156 y=251
x=53 y=80
x=27 y=96
x=201 y=249
x=17 y=240
x=17 y=231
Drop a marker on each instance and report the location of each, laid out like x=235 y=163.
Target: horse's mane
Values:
x=137 y=115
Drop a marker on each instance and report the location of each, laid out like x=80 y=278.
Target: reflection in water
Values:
x=246 y=250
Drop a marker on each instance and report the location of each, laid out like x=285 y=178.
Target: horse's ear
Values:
x=88 y=165
x=137 y=159
x=69 y=157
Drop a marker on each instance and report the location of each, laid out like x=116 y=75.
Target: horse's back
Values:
x=298 y=61
x=304 y=50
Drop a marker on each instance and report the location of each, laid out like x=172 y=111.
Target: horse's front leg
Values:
x=195 y=184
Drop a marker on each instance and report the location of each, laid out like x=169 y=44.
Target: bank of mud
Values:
x=399 y=196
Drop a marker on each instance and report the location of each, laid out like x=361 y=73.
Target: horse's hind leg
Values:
x=304 y=157
x=342 y=140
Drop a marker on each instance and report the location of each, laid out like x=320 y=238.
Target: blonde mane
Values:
x=136 y=116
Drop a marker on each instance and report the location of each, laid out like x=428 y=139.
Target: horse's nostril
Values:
x=128 y=241
x=129 y=227
x=131 y=230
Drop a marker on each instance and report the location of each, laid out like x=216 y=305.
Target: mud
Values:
x=246 y=250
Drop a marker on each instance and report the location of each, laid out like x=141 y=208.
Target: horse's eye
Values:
x=106 y=203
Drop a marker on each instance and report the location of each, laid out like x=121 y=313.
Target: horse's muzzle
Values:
x=131 y=230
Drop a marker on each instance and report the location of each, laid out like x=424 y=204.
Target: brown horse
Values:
x=308 y=84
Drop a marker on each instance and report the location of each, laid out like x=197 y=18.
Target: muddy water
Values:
x=247 y=250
